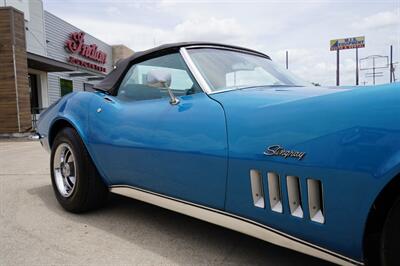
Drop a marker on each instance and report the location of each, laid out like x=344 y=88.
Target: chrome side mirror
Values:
x=173 y=100
x=163 y=78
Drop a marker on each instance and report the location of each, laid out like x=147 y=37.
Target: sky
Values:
x=303 y=28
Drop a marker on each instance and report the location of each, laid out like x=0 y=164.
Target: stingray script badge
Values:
x=277 y=150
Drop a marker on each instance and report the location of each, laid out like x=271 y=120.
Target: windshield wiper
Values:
x=282 y=85
x=258 y=86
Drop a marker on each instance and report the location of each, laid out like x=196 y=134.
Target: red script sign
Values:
x=76 y=44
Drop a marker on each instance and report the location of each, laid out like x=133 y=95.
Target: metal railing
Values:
x=35 y=111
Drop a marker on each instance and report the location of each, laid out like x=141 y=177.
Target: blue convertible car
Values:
x=223 y=134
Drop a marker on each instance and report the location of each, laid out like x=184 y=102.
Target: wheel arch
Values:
x=56 y=127
x=63 y=122
x=376 y=219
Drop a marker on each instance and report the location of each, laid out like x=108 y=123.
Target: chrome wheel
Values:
x=64 y=168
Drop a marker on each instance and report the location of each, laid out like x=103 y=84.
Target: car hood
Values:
x=330 y=125
x=259 y=97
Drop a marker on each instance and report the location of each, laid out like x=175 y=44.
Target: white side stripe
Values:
x=233 y=222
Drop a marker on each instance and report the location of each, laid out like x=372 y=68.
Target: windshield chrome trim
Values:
x=195 y=71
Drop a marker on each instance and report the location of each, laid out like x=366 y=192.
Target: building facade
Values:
x=42 y=58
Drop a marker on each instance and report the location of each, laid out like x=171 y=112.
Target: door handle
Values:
x=108 y=99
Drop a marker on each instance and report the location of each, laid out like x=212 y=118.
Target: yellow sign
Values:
x=347 y=43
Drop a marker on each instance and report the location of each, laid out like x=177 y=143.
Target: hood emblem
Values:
x=277 y=150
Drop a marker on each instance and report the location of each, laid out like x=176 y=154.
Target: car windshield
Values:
x=227 y=69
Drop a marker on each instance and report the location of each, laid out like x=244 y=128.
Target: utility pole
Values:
x=356 y=66
x=373 y=70
x=287 y=59
x=337 y=68
x=391 y=71
x=379 y=62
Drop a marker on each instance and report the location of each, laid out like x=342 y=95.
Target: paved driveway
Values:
x=35 y=230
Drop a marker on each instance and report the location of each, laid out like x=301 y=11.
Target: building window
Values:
x=34 y=93
x=88 y=87
x=65 y=86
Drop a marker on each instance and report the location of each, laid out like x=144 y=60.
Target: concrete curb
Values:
x=17 y=136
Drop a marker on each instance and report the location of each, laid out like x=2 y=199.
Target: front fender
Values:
x=352 y=143
x=73 y=110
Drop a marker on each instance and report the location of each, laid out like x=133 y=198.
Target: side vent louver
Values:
x=274 y=191
x=257 y=188
x=294 y=196
x=315 y=201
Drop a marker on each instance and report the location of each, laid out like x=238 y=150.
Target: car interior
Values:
x=152 y=87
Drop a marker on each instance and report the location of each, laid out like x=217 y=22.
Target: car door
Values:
x=140 y=139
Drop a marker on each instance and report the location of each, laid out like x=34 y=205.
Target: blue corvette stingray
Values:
x=223 y=134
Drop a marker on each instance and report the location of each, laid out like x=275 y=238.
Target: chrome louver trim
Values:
x=274 y=192
x=257 y=189
x=315 y=200
x=294 y=196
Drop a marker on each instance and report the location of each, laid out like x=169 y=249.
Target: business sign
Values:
x=347 y=43
x=76 y=45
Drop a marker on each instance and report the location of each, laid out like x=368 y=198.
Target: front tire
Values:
x=390 y=248
x=76 y=182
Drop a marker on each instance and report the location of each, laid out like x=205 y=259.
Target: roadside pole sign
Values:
x=346 y=43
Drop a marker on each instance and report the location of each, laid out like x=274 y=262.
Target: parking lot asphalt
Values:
x=35 y=230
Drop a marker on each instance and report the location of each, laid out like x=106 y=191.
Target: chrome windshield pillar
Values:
x=195 y=71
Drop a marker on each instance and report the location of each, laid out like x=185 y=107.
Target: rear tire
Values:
x=390 y=247
x=76 y=181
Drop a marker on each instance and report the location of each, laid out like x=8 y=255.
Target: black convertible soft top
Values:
x=110 y=83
